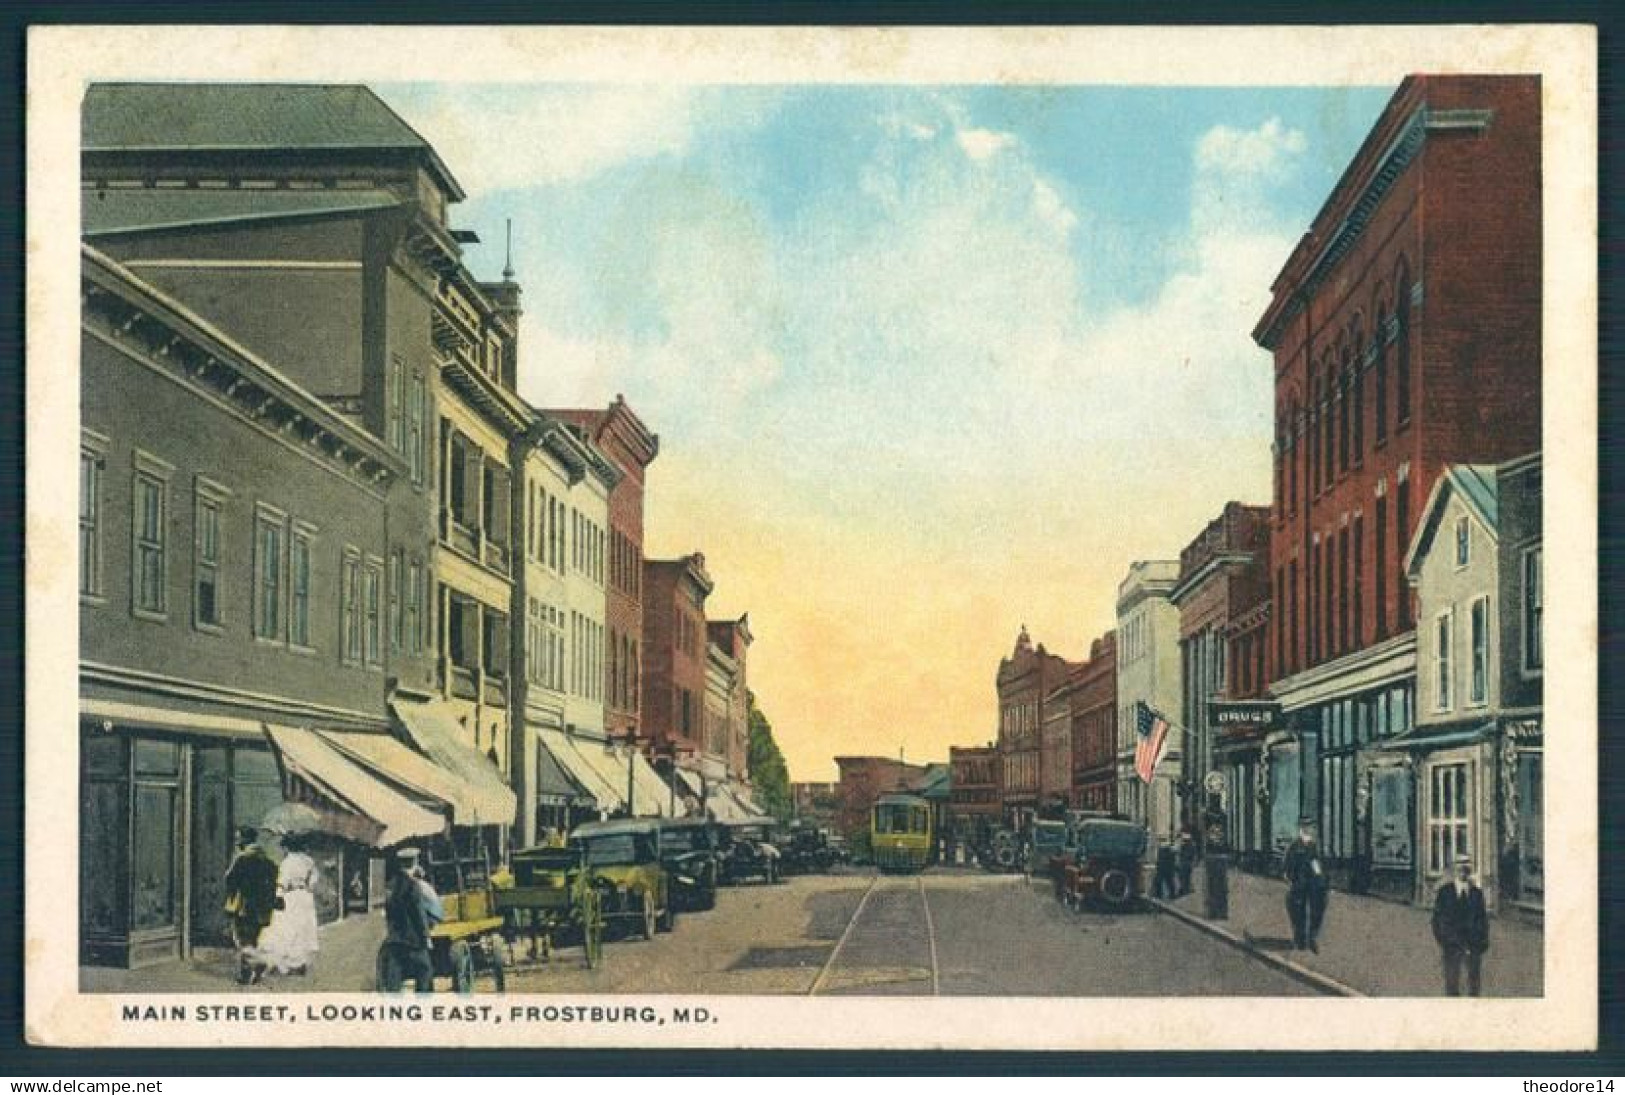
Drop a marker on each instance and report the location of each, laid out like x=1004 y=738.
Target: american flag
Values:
x=1153 y=731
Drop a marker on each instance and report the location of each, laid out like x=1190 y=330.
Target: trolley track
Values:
x=888 y=947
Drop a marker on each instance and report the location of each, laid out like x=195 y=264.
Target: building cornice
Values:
x=1387 y=662
x=125 y=312
x=179 y=688
x=1400 y=152
x=1209 y=569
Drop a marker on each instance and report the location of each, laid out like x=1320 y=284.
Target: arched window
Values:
x=1402 y=335
x=1357 y=359
x=1294 y=428
x=1380 y=340
x=1328 y=378
x=1345 y=359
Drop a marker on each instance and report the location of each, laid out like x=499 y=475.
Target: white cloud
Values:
x=1051 y=208
x=982 y=144
x=1266 y=152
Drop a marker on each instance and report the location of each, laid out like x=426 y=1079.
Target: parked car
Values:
x=806 y=850
x=1108 y=864
x=748 y=851
x=690 y=851
x=1048 y=848
x=625 y=860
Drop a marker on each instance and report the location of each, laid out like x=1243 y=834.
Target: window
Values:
x=1344 y=407
x=416 y=412
x=1357 y=615
x=299 y=588
x=397 y=601
x=1380 y=534
x=1533 y=595
x=1478 y=682
x=206 y=558
x=1358 y=391
x=350 y=620
x=268 y=568
x=92 y=464
x=150 y=545
x=1402 y=521
x=395 y=399
x=1402 y=335
x=1448 y=811
x=1380 y=417
x=1442 y=627
x=1464 y=539
x=372 y=584
x=1343 y=589
x=415 y=624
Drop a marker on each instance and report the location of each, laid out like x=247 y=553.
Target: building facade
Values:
x=674 y=661
x=733 y=639
x=1476 y=749
x=865 y=779
x=1226 y=555
x=1148 y=674
x=1094 y=729
x=1024 y=681
x=975 y=805
x=1406 y=336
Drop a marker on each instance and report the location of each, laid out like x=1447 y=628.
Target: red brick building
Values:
x=864 y=779
x=674 y=659
x=1094 y=728
x=1406 y=334
x=1024 y=683
x=1227 y=554
x=621 y=436
x=975 y=804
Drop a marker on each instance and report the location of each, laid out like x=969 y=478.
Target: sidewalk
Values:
x=349 y=948
x=1368 y=945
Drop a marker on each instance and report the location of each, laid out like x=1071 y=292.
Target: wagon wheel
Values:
x=1115 y=887
x=495 y=951
x=462 y=967
x=592 y=928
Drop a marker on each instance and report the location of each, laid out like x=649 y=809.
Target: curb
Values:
x=1312 y=978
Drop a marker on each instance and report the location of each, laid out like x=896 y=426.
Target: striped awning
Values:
x=483 y=798
x=350 y=801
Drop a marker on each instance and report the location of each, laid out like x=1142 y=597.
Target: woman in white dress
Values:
x=289 y=945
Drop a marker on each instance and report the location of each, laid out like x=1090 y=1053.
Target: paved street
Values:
x=952 y=932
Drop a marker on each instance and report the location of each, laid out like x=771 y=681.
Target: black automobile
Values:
x=748 y=851
x=689 y=848
x=806 y=850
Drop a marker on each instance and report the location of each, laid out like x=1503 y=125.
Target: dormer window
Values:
x=1464 y=541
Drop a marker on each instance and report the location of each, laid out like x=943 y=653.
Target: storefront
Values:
x=1523 y=808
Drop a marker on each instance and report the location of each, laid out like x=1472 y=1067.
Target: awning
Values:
x=555 y=786
x=395 y=763
x=610 y=765
x=725 y=807
x=484 y=798
x=140 y=716
x=605 y=793
x=746 y=803
x=692 y=782
x=651 y=794
x=1439 y=737
x=351 y=801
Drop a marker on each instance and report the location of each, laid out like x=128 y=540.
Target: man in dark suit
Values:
x=1461 y=924
x=1307 y=888
x=250 y=901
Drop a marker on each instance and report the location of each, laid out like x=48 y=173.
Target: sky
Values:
x=928 y=364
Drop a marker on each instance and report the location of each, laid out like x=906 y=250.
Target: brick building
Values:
x=674 y=657
x=1226 y=555
x=1024 y=682
x=1240 y=728
x=1406 y=333
x=864 y=779
x=975 y=805
x=1094 y=728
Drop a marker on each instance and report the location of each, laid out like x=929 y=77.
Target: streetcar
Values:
x=900 y=836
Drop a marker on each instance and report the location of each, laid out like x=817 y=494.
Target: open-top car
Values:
x=689 y=850
x=748 y=851
x=633 y=886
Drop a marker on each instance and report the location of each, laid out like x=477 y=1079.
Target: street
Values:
x=945 y=932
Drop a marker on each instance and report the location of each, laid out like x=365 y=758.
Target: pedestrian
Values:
x=250 y=900
x=1461 y=925
x=411 y=910
x=1307 y=889
x=1186 y=857
x=289 y=945
x=1163 y=884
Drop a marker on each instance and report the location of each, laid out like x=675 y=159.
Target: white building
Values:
x=1148 y=673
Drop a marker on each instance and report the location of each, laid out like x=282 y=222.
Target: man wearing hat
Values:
x=250 y=901
x=1307 y=887
x=1461 y=924
x=411 y=910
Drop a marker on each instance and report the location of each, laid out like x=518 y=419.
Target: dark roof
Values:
x=105 y=211
x=246 y=117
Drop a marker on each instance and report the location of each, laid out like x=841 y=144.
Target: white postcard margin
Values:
x=62 y=60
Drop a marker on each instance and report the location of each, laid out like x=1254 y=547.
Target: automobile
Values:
x=1108 y=864
x=689 y=851
x=633 y=885
x=806 y=849
x=748 y=851
x=840 y=851
x=1048 y=848
x=1000 y=851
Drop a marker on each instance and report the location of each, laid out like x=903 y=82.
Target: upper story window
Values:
x=351 y=622
x=1464 y=541
x=299 y=587
x=1533 y=600
x=372 y=600
x=1380 y=411
x=395 y=404
x=207 y=549
x=417 y=410
x=269 y=563
x=1478 y=677
x=150 y=538
x=92 y=470
x=1402 y=336
x=1443 y=626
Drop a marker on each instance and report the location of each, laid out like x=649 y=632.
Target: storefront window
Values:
x=1531 y=828
x=1448 y=807
x=103 y=838
x=1391 y=817
x=157 y=758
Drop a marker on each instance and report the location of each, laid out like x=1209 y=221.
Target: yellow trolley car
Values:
x=900 y=833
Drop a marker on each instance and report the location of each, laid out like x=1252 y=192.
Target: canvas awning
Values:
x=350 y=800
x=604 y=792
x=723 y=806
x=652 y=795
x=146 y=717
x=396 y=763
x=555 y=786
x=1439 y=737
x=483 y=798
